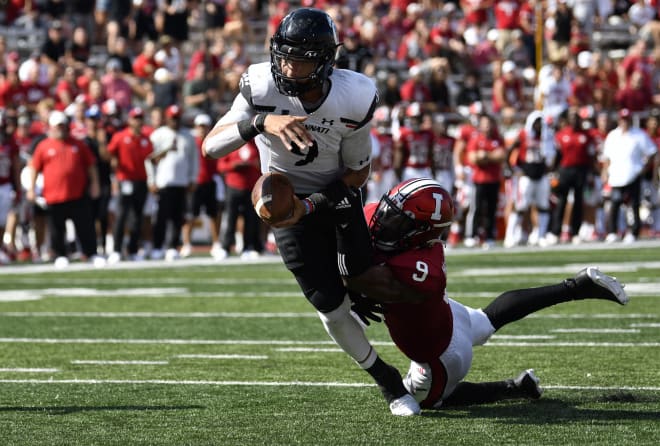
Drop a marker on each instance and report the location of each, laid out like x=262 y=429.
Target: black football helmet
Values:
x=305 y=34
x=413 y=214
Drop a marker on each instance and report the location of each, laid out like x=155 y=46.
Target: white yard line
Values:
x=200 y=356
x=28 y=370
x=302 y=343
x=595 y=330
x=104 y=362
x=276 y=384
x=257 y=315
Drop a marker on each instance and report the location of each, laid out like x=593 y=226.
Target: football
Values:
x=272 y=197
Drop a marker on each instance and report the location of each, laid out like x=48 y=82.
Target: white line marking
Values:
x=221 y=356
x=153 y=315
x=185 y=382
x=574 y=344
x=284 y=342
x=135 y=314
x=276 y=384
x=595 y=330
x=28 y=370
x=102 y=362
x=309 y=349
x=646 y=325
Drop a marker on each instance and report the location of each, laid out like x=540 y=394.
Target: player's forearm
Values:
x=357 y=178
x=378 y=283
x=225 y=138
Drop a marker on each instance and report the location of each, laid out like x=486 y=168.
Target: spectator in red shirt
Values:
x=204 y=195
x=129 y=149
x=11 y=90
x=241 y=170
x=485 y=154
x=144 y=64
x=115 y=86
x=70 y=180
x=415 y=89
x=575 y=155
x=506 y=20
x=508 y=88
x=635 y=96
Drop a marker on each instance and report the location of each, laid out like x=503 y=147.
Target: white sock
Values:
x=348 y=334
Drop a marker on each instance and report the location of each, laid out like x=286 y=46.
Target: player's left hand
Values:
x=366 y=309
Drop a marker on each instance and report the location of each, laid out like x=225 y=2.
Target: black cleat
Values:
x=528 y=384
x=592 y=283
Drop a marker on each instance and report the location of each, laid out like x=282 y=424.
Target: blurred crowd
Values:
x=514 y=124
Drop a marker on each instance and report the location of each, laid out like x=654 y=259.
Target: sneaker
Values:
x=186 y=251
x=97 y=261
x=405 y=406
x=629 y=238
x=470 y=242
x=488 y=244
x=550 y=239
x=218 y=253
x=137 y=257
x=611 y=238
x=528 y=383
x=157 y=254
x=171 y=255
x=593 y=283
x=249 y=255
x=61 y=262
x=114 y=258
x=576 y=240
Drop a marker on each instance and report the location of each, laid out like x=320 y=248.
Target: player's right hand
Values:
x=299 y=211
x=290 y=129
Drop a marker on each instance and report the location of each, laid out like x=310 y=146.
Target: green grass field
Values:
x=195 y=353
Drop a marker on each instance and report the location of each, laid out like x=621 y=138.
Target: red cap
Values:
x=173 y=111
x=136 y=112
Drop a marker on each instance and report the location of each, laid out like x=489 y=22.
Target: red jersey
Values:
x=443 y=152
x=417 y=147
x=423 y=330
x=8 y=156
x=530 y=156
x=386 y=156
x=64 y=164
x=131 y=151
x=13 y=94
x=506 y=14
x=207 y=166
x=241 y=167
x=491 y=172
x=575 y=146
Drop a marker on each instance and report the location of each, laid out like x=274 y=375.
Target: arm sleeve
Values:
x=356 y=148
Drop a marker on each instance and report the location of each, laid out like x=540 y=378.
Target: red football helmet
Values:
x=412 y=214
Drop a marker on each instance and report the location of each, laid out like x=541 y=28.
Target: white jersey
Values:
x=340 y=126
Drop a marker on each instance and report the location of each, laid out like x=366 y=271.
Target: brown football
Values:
x=272 y=197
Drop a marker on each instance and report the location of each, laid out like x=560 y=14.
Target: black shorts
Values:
x=310 y=251
x=204 y=195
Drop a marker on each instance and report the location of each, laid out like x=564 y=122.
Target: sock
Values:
x=516 y=304
x=348 y=334
x=388 y=379
x=467 y=393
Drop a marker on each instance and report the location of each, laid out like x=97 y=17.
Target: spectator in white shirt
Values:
x=627 y=152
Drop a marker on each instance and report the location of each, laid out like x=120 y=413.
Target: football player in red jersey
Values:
x=435 y=332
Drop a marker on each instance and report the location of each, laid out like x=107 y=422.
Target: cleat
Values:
x=405 y=406
x=528 y=383
x=593 y=283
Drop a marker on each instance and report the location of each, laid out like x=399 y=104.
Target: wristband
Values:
x=259 y=122
x=246 y=129
x=309 y=205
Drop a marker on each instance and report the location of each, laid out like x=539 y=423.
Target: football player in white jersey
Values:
x=312 y=123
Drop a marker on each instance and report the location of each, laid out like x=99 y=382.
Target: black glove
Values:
x=366 y=308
